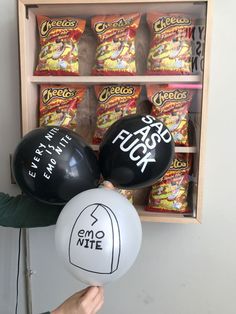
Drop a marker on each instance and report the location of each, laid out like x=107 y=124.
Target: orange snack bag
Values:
x=170 y=193
x=59 y=45
x=171 y=106
x=59 y=104
x=171 y=45
x=115 y=54
x=129 y=194
x=114 y=102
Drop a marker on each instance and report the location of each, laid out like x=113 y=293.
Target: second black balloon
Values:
x=136 y=151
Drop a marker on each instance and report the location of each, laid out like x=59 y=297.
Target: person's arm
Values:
x=87 y=301
x=23 y=212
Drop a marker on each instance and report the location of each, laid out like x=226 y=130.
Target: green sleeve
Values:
x=23 y=212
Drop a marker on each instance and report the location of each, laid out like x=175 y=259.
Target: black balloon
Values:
x=53 y=164
x=136 y=151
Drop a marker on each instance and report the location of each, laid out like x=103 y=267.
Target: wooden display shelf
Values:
x=178 y=149
x=148 y=216
x=136 y=79
x=29 y=49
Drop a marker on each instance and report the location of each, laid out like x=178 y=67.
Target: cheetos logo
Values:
x=178 y=164
x=48 y=25
x=50 y=93
x=160 y=98
x=111 y=91
x=166 y=22
x=101 y=27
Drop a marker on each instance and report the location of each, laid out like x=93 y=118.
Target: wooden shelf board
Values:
x=146 y=216
x=137 y=79
x=66 y=2
x=178 y=149
x=187 y=149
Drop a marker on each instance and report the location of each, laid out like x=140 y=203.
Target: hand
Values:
x=87 y=301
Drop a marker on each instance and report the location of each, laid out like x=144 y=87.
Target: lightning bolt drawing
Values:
x=95 y=219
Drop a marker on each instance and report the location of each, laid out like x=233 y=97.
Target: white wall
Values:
x=181 y=269
x=9 y=136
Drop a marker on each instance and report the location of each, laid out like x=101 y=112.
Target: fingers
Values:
x=108 y=185
x=98 y=300
x=83 y=291
x=86 y=301
x=98 y=307
x=93 y=299
x=91 y=293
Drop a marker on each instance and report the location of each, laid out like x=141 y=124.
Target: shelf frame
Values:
x=147 y=216
x=136 y=79
x=29 y=86
x=178 y=149
x=42 y=2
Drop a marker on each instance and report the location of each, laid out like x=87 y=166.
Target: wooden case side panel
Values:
x=27 y=42
x=203 y=129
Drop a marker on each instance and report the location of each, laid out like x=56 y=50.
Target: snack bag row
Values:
x=170 y=105
x=59 y=105
x=170 y=48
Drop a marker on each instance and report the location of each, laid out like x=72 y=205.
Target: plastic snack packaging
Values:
x=171 y=106
x=59 y=45
x=170 y=193
x=115 y=54
x=171 y=45
x=114 y=102
x=59 y=105
x=129 y=194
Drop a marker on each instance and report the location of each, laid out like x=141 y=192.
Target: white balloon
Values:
x=98 y=236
